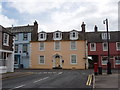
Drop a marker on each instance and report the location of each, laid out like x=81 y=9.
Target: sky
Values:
x=63 y=15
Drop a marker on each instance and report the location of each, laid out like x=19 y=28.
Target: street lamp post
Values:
x=108 y=63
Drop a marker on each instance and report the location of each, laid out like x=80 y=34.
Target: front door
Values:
x=16 y=61
x=57 y=62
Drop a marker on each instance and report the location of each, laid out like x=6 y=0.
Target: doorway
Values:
x=57 y=62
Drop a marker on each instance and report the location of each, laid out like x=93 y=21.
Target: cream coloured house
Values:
x=63 y=50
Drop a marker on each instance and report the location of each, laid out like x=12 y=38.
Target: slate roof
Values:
x=21 y=29
x=65 y=36
x=90 y=36
x=97 y=37
x=4 y=30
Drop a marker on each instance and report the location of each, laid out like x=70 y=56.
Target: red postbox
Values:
x=95 y=68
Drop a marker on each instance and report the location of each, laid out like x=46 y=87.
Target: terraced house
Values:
x=6 y=51
x=66 y=50
x=98 y=47
x=23 y=35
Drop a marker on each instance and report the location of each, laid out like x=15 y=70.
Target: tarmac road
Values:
x=49 y=79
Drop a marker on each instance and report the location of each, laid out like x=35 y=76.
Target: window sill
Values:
x=5 y=44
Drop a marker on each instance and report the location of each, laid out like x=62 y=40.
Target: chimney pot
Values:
x=83 y=27
x=95 y=28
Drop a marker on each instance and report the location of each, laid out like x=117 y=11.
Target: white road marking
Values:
x=20 y=86
x=40 y=79
x=37 y=80
x=60 y=73
x=45 y=78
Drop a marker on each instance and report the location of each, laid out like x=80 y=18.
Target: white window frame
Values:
x=117 y=46
x=55 y=46
x=104 y=36
x=39 y=59
x=59 y=35
x=16 y=37
x=40 y=46
x=71 y=35
x=44 y=37
x=71 y=45
x=25 y=35
x=91 y=47
x=102 y=60
x=7 y=42
x=104 y=47
x=115 y=61
x=71 y=59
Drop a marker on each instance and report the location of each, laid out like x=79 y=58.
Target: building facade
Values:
x=23 y=36
x=66 y=50
x=98 y=47
x=6 y=51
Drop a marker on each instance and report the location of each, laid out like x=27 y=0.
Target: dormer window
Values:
x=42 y=36
x=57 y=35
x=74 y=35
x=104 y=36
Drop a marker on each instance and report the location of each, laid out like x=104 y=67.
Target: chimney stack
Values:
x=35 y=31
x=83 y=27
x=95 y=28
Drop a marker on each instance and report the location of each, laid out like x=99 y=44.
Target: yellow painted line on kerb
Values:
x=89 y=80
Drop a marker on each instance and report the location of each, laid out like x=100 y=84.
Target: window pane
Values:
x=74 y=35
x=118 y=45
x=57 y=45
x=73 y=58
x=104 y=36
x=57 y=35
x=93 y=47
x=117 y=60
x=105 y=46
x=73 y=45
x=25 y=36
x=104 y=60
x=6 y=39
x=16 y=48
x=41 y=36
x=41 y=59
x=24 y=48
x=42 y=46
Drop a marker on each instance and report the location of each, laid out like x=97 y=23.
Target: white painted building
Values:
x=6 y=51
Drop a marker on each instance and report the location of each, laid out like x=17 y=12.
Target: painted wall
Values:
x=100 y=53
x=99 y=49
x=65 y=52
x=23 y=58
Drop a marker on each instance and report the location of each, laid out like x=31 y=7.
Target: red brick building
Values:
x=98 y=49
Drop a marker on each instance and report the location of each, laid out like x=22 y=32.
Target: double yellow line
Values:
x=89 y=81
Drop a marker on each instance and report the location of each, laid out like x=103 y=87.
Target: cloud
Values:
x=34 y=6
x=0 y=7
x=67 y=15
x=6 y=22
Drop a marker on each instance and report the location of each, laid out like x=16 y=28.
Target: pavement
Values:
x=107 y=81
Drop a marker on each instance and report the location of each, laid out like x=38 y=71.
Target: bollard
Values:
x=100 y=70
